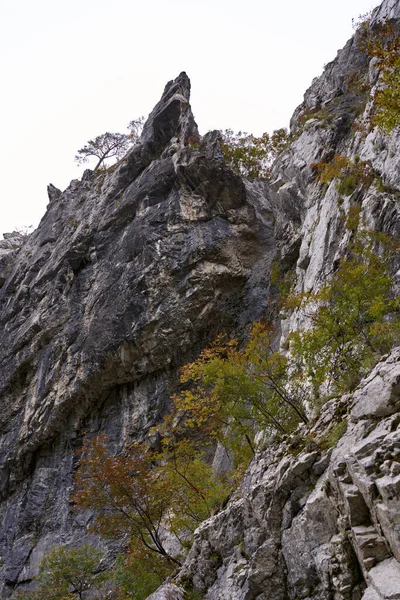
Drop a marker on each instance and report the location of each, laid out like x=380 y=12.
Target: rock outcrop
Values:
x=315 y=517
x=131 y=271
x=321 y=522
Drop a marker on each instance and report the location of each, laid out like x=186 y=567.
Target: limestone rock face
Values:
x=131 y=272
x=320 y=523
x=167 y=592
x=10 y=245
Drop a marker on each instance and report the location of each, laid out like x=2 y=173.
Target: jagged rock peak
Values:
x=172 y=116
x=167 y=130
x=53 y=192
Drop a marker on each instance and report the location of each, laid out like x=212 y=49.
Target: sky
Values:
x=73 y=69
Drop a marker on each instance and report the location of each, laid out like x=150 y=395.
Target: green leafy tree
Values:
x=354 y=318
x=139 y=573
x=251 y=156
x=234 y=393
x=67 y=573
x=110 y=145
x=195 y=491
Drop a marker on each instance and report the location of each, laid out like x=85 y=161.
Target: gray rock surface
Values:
x=167 y=592
x=323 y=524
x=292 y=531
x=10 y=246
x=131 y=271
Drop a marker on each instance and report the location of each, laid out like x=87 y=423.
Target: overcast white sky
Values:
x=73 y=69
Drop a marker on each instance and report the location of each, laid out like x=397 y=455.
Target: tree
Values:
x=195 y=491
x=251 y=156
x=110 y=145
x=144 y=493
x=126 y=492
x=67 y=573
x=139 y=572
x=234 y=393
x=354 y=318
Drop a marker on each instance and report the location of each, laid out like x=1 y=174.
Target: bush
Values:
x=250 y=156
x=350 y=175
x=139 y=573
x=67 y=573
x=354 y=317
x=382 y=42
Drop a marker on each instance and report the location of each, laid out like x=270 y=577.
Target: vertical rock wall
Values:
x=130 y=273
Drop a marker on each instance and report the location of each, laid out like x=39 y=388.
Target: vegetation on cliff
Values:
x=250 y=156
x=110 y=145
x=229 y=396
x=160 y=491
x=381 y=41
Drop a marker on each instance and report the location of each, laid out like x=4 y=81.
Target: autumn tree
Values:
x=110 y=145
x=232 y=394
x=126 y=493
x=144 y=494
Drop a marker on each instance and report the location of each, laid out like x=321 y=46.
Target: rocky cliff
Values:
x=130 y=273
x=313 y=519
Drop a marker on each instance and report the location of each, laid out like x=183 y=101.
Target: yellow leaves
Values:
x=349 y=174
x=334 y=168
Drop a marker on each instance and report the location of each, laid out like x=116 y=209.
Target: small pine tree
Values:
x=110 y=145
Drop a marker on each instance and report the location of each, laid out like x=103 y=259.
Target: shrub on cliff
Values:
x=250 y=156
x=67 y=573
x=138 y=573
x=349 y=175
x=233 y=393
x=354 y=318
x=382 y=42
